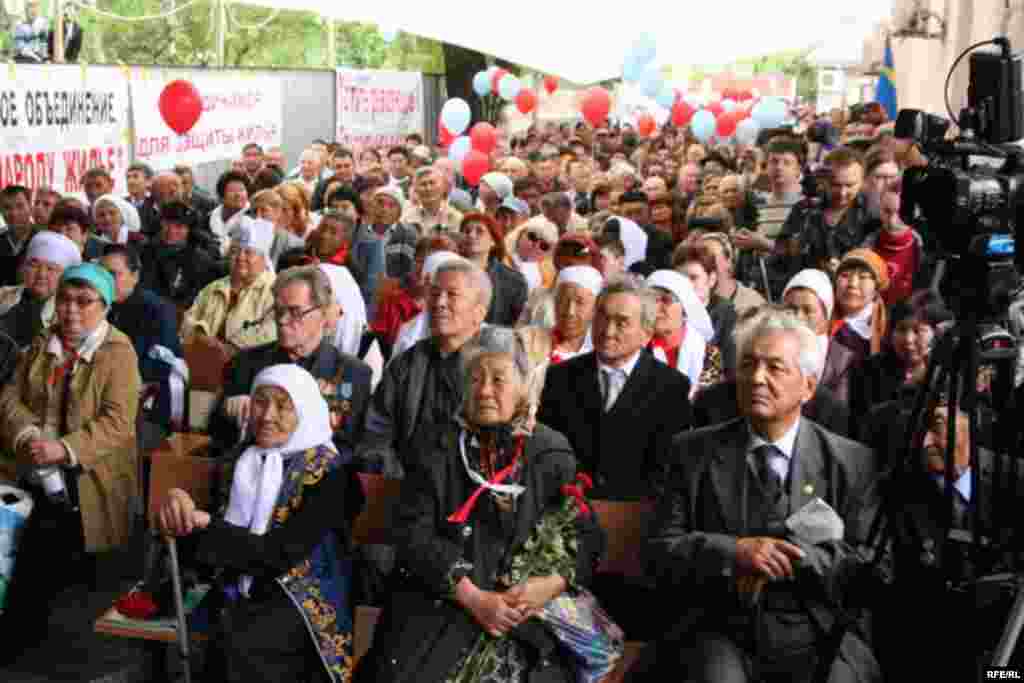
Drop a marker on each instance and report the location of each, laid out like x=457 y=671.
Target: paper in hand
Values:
x=816 y=523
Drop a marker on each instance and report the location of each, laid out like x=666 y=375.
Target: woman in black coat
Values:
x=456 y=539
x=483 y=242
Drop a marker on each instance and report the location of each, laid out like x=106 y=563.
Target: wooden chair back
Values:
x=206 y=363
x=179 y=463
x=626 y=526
x=373 y=525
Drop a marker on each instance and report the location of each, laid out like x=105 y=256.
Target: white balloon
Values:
x=456 y=115
x=509 y=87
x=728 y=105
x=747 y=131
x=459 y=148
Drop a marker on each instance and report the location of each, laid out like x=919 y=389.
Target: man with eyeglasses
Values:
x=302 y=309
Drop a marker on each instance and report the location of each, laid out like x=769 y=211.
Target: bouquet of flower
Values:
x=575 y=619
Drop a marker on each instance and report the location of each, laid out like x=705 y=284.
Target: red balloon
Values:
x=682 y=112
x=726 y=124
x=526 y=100
x=645 y=125
x=444 y=137
x=550 y=84
x=474 y=166
x=180 y=106
x=484 y=137
x=496 y=79
x=716 y=109
x=744 y=95
x=596 y=105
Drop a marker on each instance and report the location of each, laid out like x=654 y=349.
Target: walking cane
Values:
x=179 y=606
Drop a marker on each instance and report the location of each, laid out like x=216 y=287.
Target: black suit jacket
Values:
x=622 y=448
x=327 y=363
x=692 y=547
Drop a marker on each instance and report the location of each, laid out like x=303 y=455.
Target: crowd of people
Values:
x=732 y=332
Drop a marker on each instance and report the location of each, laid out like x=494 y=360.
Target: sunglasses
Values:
x=541 y=243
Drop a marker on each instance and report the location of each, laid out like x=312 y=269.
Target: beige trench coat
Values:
x=101 y=429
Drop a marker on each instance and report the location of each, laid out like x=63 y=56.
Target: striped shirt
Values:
x=773 y=211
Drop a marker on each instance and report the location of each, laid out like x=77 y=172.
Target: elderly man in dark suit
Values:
x=757 y=601
x=618 y=405
x=302 y=297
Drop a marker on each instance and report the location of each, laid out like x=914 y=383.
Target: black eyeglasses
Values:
x=291 y=314
x=541 y=243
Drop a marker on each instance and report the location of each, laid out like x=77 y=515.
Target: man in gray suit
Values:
x=756 y=602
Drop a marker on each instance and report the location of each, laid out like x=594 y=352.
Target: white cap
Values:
x=542 y=227
x=818 y=282
x=587 y=277
x=697 y=317
x=499 y=182
x=393 y=191
x=256 y=234
x=54 y=248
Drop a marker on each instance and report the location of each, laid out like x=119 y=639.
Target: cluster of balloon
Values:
x=469 y=150
x=595 y=106
x=497 y=81
x=180 y=106
x=682 y=113
x=731 y=119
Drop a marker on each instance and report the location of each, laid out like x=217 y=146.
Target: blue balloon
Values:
x=747 y=130
x=703 y=125
x=666 y=98
x=459 y=148
x=455 y=115
x=632 y=70
x=509 y=87
x=388 y=34
x=651 y=82
x=643 y=49
x=728 y=105
x=482 y=84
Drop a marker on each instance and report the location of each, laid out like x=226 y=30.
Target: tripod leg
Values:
x=1008 y=641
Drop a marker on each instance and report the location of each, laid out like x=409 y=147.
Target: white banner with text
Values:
x=378 y=108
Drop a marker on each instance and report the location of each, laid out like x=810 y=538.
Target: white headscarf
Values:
x=418 y=328
x=819 y=282
x=55 y=248
x=499 y=182
x=256 y=234
x=588 y=277
x=130 y=221
x=634 y=239
x=699 y=330
x=349 y=334
x=259 y=473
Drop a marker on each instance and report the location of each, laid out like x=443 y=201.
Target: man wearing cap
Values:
x=384 y=247
x=494 y=188
x=68 y=419
x=235 y=311
x=617 y=405
x=28 y=309
x=432 y=211
x=174 y=265
x=809 y=296
x=511 y=213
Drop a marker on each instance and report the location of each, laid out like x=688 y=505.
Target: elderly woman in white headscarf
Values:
x=28 y=309
x=347 y=317
x=281 y=539
x=235 y=311
x=683 y=327
x=115 y=218
x=419 y=327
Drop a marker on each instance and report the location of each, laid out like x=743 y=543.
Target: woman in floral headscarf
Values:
x=281 y=540
x=485 y=485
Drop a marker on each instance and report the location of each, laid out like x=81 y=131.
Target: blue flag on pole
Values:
x=885 y=93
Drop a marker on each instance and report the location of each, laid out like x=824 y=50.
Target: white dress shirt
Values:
x=618 y=378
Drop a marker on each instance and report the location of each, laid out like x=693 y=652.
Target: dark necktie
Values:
x=771 y=482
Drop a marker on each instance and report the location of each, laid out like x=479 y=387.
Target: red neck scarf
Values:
x=670 y=345
x=461 y=515
x=556 y=357
x=71 y=357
